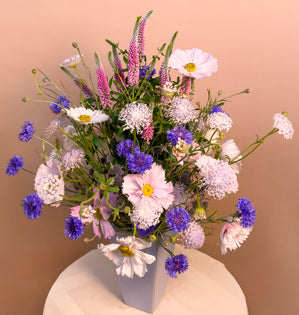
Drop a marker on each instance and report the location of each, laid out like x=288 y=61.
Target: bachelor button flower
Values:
x=216 y=109
x=247 y=212
x=86 y=116
x=73 y=159
x=220 y=121
x=143 y=233
x=26 y=132
x=181 y=111
x=71 y=62
x=124 y=148
x=193 y=237
x=61 y=102
x=193 y=63
x=32 y=205
x=178 y=219
x=73 y=227
x=283 y=124
x=179 y=133
x=136 y=115
x=15 y=164
x=144 y=73
x=176 y=264
x=139 y=162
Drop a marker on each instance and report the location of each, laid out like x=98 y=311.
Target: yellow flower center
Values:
x=98 y=214
x=190 y=67
x=126 y=251
x=147 y=190
x=85 y=118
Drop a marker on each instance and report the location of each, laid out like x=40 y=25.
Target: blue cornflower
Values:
x=143 y=233
x=124 y=148
x=73 y=227
x=176 y=264
x=26 y=132
x=144 y=73
x=139 y=162
x=216 y=109
x=61 y=102
x=247 y=212
x=179 y=132
x=32 y=205
x=14 y=165
x=178 y=219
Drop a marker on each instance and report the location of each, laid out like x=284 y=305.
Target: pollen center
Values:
x=190 y=67
x=126 y=251
x=147 y=190
x=85 y=118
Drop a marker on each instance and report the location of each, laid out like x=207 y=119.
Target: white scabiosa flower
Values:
x=231 y=150
x=283 y=124
x=233 y=235
x=128 y=257
x=71 y=62
x=73 y=159
x=218 y=177
x=220 y=121
x=86 y=116
x=181 y=111
x=136 y=115
x=212 y=135
x=193 y=237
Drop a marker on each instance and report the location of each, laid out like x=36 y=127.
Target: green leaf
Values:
x=110 y=181
x=113 y=189
x=100 y=178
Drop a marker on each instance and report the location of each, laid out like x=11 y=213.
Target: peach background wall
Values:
x=256 y=43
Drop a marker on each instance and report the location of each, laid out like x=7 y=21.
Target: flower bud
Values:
x=219 y=92
x=127 y=209
x=25 y=99
x=103 y=186
x=200 y=214
x=152 y=238
x=75 y=45
x=247 y=91
x=285 y=114
x=33 y=71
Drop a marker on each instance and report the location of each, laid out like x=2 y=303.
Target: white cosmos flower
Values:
x=86 y=116
x=127 y=256
x=71 y=62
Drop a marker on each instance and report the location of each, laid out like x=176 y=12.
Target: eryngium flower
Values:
x=283 y=124
x=220 y=121
x=139 y=162
x=181 y=111
x=26 y=132
x=218 y=177
x=181 y=132
x=124 y=148
x=15 y=164
x=193 y=237
x=178 y=219
x=73 y=227
x=32 y=206
x=176 y=264
x=61 y=102
x=247 y=212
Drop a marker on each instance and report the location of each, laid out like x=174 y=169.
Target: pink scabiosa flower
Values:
x=133 y=62
x=150 y=194
x=233 y=235
x=141 y=30
x=103 y=86
x=48 y=182
x=193 y=63
x=284 y=125
x=230 y=150
x=193 y=237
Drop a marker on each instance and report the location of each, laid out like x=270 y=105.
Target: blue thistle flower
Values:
x=181 y=132
x=73 y=227
x=178 y=219
x=26 y=132
x=15 y=164
x=247 y=212
x=139 y=162
x=32 y=206
x=176 y=264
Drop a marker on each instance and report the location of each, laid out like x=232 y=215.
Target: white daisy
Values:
x=127 y=256
x=193 y=63
x=283 y=124
x=86 y=116
x=71 y=62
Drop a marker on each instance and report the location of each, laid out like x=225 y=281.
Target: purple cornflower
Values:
x=124 y=148
x=139 y=162
x=26 y=132
x=247 y=212
x=14 y=165
x=32 y=206
x=179 y=132
x=144 y=73
x=178 y=219
x=61 y=102
x=176 y=264
x=217 y=109
x=73 y=227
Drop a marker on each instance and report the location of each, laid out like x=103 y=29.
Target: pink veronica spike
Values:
x=141 y=30
x=103 y=87
x=119 y=75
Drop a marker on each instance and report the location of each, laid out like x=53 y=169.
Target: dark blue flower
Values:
x=144 y=72
x=32 y=206
x=179 y=132
x=73 y=227
x=178 y=219
x=14 y=165
x=218 y=109
x=61 y=102
x=139 y=162
x=176 y=264
x=124 y=148
x=143 y=233
x=247 y=212
x=26 y=132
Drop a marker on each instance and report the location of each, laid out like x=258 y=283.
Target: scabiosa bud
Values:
x=15 y=164
x=32 y=206
x=178 y=219
x=176 y=264
x=26 y=132
x=247 y=212
x=73 y=227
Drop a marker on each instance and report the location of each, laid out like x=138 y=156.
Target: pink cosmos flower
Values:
x=233 y=235
x=193 y=63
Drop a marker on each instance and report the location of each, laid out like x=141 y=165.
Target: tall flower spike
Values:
x=119 y=75
x=103 y=86
x=141 y=30
x=186 y=86
x=133 y=63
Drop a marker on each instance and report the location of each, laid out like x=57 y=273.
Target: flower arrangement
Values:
x=138 y=156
